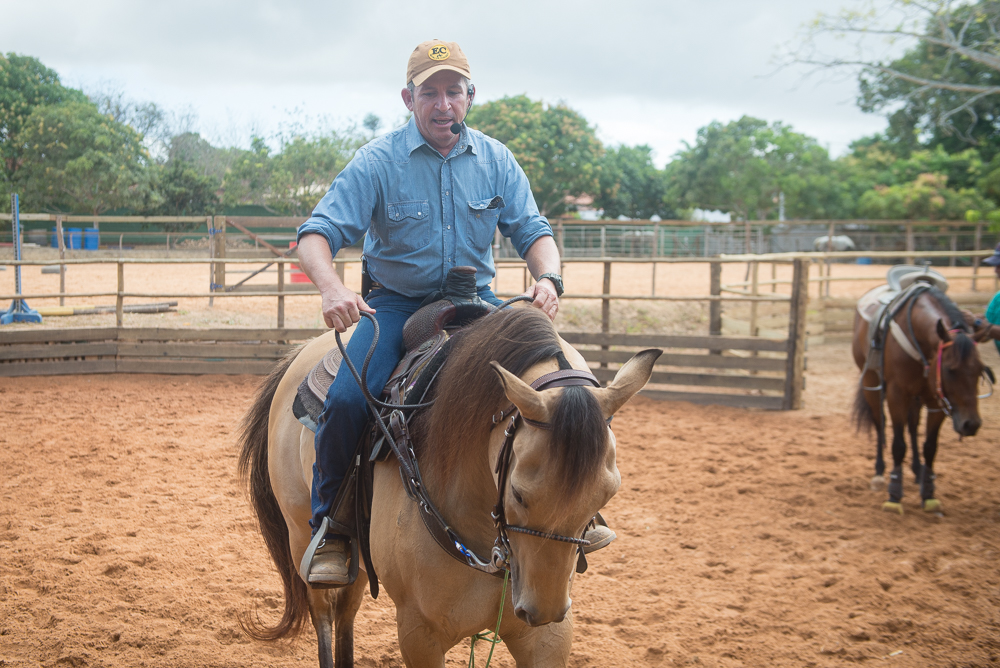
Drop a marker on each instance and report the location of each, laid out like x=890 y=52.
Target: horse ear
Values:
x=528 y=400
x=942 y=331
x=631 y=378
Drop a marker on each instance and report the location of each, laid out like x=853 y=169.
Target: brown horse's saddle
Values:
x=880 y=305
x=425 y=334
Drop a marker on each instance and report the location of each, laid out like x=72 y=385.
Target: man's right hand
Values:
x=342 y=308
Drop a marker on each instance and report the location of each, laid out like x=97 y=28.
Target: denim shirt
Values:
x=424 y=213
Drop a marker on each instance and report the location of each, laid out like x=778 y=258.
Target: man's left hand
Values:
x=544 y=295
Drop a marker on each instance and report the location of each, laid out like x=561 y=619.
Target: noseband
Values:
x=501 y=547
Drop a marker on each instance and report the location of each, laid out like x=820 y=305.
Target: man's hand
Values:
x=544 y=295
x=342 y=308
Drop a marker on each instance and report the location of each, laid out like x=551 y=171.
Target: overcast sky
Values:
x=642 y=71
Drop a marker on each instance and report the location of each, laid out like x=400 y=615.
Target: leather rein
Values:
x=409 y=470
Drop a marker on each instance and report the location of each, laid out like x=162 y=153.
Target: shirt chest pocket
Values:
x=409 y=224
x=483 y=217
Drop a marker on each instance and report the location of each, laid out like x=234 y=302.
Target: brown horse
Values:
x=561 y=471
x=945 y=381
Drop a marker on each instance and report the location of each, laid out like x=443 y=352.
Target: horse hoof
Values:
x=893 y=507
x=877 y=484
x=932 y=506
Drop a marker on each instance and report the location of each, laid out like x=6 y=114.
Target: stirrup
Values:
x=305 y=566
x=599 y=529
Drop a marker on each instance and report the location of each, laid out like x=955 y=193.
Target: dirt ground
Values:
x=746 y=538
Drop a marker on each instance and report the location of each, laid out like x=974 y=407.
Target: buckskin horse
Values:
x=928 y=359
x=547 y=462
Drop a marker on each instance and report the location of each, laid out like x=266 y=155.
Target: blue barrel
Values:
x=91 y=238
x=55 y=238
x=74 y=237
x=864 y=260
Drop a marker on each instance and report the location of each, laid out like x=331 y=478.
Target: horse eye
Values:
x=517 y=496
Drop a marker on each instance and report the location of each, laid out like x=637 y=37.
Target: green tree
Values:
x=184 y=191
x=631 y=185
x=927 y=197
x=945 y=86
x=254 y=179
x=24 y=85
x=557 y=148
x=77 y=159
x=743 y=167
x=309 y=165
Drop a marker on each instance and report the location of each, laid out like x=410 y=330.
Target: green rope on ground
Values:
x=491 y=637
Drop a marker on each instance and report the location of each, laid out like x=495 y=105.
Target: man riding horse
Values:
x=427 y=197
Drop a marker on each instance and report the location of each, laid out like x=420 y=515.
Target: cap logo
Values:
x=439 y=52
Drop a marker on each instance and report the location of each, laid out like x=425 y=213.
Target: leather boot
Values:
x=599 y=534
x=330 y=563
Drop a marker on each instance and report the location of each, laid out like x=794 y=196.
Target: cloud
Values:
x=645 y=72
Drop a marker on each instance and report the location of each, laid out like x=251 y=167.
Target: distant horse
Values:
x=945 y=380
x=560 y=471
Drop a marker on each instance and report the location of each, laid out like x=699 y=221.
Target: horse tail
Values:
x=253 y=471
x=861 y=412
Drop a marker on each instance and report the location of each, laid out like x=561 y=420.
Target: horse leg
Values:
x=417 y=641
x=899 y=412
x=913 y=423
x=321 y=602
x=345 y=608
x=934 y=421
x=874 y=400
x=542 y=646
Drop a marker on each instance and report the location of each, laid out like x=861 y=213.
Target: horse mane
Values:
x=963 y=343
x=468 y=393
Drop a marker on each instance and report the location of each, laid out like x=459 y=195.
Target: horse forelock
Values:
x=579 y=436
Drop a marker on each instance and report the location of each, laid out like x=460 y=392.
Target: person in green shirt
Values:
x=992 y=330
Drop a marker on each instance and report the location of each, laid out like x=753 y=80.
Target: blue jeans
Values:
x=345 y=412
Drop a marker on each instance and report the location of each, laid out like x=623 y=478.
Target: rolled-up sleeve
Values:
x=345 y=212
x=519 y=220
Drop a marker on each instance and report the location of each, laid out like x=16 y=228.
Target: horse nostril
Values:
x=971 y=427
x=523 y=615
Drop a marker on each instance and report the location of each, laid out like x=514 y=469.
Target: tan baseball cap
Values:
x=435 y=56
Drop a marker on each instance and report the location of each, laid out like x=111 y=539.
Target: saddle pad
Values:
x=311 y=395
x=870 y=307
x=872 y=300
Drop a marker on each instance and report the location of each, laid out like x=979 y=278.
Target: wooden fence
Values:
x=752 y=372
x=45 y=352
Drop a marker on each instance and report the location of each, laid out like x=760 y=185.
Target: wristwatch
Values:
x=557 y=280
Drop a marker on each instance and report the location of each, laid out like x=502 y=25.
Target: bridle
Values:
x=409 y=470
x=943 y=402
x=500 y=556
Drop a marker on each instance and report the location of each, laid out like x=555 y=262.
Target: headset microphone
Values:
x=456 y=127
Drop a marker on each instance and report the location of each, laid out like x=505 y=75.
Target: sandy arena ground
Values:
x=746 y=538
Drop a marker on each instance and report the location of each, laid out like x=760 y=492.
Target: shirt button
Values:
x=446 y=192
x=449 y=227
x=477 y=215
x=419 y=214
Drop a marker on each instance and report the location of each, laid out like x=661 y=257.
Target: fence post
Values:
x=120 y=301
x=210 y=223
x=220 y=252
x=954 y=248
x=606 y=307
x=829 y=263
x=795 y=364
x=62 y=256
x=560 y=238
x=976 y=246
x=910 y=242
x=281 y=294
x=754 y=285
x=715 y=306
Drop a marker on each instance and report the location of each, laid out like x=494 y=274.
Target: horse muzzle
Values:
x=534 y=617
x=967 y=427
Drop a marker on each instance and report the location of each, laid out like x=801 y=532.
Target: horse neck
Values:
x=463 y=489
